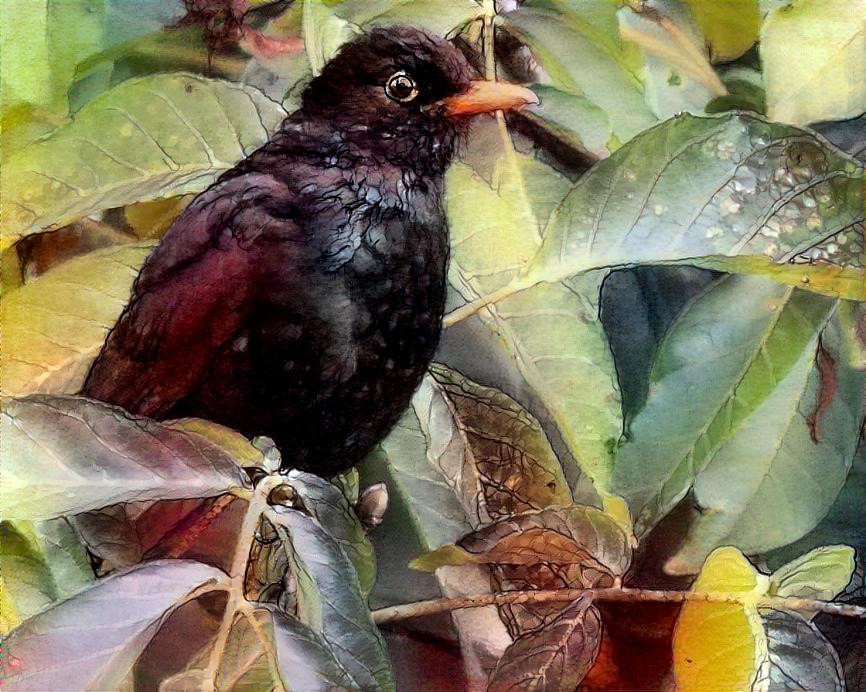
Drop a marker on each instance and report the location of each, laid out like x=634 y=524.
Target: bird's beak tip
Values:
x=486 y=96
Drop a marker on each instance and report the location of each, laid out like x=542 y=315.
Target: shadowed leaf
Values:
x=800 y=656
x=92 y=640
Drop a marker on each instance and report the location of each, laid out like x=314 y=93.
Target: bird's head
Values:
x=406 y=95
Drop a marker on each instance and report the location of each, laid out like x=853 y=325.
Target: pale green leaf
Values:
x=324 y=32
x=151 y=137
x=812 y=53
x=822 y=574
x=579 y=47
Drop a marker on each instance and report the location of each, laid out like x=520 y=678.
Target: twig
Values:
x=444 y=605
x=479 y=304
x=236 y=601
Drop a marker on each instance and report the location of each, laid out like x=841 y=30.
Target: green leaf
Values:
x=67 y=455
x=552 y=332
x=812 y=55
x=709 y=187
x=444 y=555
x=822 y=574
x=579 y=47
x=730 y=27
x=573 y=117
x=324 y=32
x=725 y=355
x=91 y=641
x=779 y=475
x=55 y=325
x=331 y=603
x=330 y=508
x=147 y=138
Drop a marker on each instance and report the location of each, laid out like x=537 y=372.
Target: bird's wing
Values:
x=191 y=297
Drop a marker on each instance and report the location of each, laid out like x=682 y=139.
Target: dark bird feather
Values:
x=301 y=296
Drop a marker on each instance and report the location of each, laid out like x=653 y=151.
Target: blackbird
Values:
x=301 y=296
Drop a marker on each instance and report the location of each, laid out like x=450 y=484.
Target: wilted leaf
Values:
x=554 y=658
x=730 y=27
x=821 y=574
x=777 y=477
x=92 y=640
x=722 y=646
x=578 y=45
x=147 y=138
x=800 y=657
x=66 y=455
x=518 y=469
x=331 y=510
x=812 y=55
x=725 y=355
x=557 y=548
x=331 y=603
x=709 y=187
x=54 y=326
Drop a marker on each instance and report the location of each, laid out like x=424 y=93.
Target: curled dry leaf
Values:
x=372 y=505
x=554 y=658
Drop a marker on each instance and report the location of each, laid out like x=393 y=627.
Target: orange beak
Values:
x=486 y=96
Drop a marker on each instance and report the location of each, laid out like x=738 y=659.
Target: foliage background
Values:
x=655 y=281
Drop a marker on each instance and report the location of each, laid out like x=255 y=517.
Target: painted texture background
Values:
x=651 y=376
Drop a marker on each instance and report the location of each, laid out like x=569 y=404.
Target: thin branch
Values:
x=444 y=605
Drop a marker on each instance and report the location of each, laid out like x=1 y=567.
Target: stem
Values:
x=236 y=600
x=266 y=643
x=443 y=605
x=479 y=304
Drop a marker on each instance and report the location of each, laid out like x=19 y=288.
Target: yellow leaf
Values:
x=729 y=26
x=722 y=646
x=449 y=554
x=54 y=326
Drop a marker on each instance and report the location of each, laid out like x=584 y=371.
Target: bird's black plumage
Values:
x=301 y=296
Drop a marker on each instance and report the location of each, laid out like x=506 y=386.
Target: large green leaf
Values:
x=579 y=47
x=812 y=55
x=725 y=356
x=774 y=480
x=735 y=189
x=54 y=326
x=151 y=137
x=552 y=332
x=67 y=455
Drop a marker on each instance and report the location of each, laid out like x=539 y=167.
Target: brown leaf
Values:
x=517 y=468
x=555 y=658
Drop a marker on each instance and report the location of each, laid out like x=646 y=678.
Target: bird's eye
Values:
x=401 y=87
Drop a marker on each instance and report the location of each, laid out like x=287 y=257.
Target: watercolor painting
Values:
x=433 y=345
